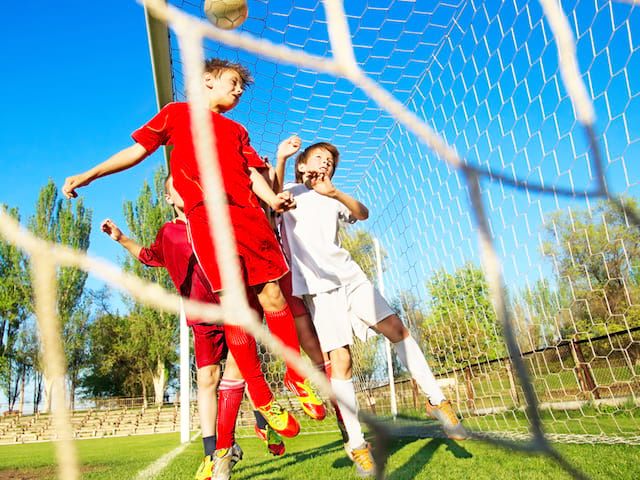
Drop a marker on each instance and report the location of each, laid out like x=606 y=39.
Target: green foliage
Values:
x=365 y=356
x=461 y=325
x=67 y=223
x=412 y=311
x=144 y=218
x=540 y=313
x=15 y=308
x=596 y=255
x=153 y=334
x=116 y=367
x=64 y=222
x=361 y=247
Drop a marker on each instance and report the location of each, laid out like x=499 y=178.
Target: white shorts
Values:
x=350 y=309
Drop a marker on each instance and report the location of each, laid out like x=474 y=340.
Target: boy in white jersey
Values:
x=341 y=299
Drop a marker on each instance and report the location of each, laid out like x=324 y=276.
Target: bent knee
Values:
x=208 y=377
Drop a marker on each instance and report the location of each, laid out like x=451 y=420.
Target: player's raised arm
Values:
x=116 y=234
x=322 y=184
x=287 y=148
x=122 y=160
x=280 y=202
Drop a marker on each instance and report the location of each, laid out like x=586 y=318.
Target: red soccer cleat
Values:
x=280 y=420
x=311 y=403
x=271 y=439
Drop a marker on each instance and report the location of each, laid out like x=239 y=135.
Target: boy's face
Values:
x=319 y=160
x=225 y=90
x=172 y=196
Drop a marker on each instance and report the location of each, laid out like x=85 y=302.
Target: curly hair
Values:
x=217 y=66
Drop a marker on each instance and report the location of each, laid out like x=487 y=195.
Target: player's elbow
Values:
x=363 y=213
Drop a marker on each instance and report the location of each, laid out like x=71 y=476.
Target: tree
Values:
x=115 y=369
x=461 y=324
x=595 y=253
x=361 y=247
x=366 y=362
x=15 y=307
x=540 y=315
x=67 y=223
x=412 y=311
x=154 y=333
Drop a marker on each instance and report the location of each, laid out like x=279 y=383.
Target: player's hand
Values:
x=73 y=182
x=111 y=229
x=284 y=201
x=321 y=183
x=289 y=147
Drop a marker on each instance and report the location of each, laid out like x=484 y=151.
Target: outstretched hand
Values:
x=73 y=182
x=111 y=229
x=321 y=183
x=284 y=201
x=289 y=146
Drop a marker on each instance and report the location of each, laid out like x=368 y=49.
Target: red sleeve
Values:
x=253 y=159
x=156 y=132
x=153 y=256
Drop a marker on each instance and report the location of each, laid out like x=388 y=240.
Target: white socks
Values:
x=346 y=398
x=413 y=359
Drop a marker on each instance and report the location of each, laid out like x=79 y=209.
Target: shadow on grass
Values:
x=274 y=465
x=421 y=458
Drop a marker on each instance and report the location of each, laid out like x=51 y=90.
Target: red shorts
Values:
x=296 y=305
x=260 y=255
x=209 y=344
x=209 y=341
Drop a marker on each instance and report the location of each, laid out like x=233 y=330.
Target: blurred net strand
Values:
x=149 y=293
x=491 y=266
x=234 y=300
x=391 y=105
x=354 y=73
x=338 y=32
x=43 y=272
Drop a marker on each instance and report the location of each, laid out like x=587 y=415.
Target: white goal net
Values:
x=494 y=144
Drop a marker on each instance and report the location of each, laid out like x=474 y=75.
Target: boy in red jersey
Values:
x=173 y=251
x=259 y=254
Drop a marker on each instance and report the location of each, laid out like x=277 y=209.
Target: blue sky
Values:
x=79 y=82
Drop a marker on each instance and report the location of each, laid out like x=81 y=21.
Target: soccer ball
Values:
x=226 y=14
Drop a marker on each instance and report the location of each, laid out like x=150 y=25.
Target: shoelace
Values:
x=275 y=409
x=363 y=459
x=447 y=409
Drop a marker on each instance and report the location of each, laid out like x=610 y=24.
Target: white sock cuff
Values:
x=231 y=384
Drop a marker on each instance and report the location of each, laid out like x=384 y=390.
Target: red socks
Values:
x=230 y=395
x=243 y=348
x=282 y=326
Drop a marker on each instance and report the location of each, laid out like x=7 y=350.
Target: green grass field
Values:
x=320 y=457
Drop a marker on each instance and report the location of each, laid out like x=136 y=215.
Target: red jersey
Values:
x=172 y=126
x=173 y=251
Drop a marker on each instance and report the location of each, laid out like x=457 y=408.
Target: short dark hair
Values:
x=217 y=66
x=302 y=157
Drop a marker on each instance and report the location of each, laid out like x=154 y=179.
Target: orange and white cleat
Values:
x=280 y=420
x=447 y=417
x=311 y=403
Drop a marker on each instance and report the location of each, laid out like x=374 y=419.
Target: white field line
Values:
x=161 y=463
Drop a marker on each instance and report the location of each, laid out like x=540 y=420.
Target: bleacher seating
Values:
x=94 y=423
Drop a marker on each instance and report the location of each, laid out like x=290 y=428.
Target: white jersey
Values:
x=310 y=239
